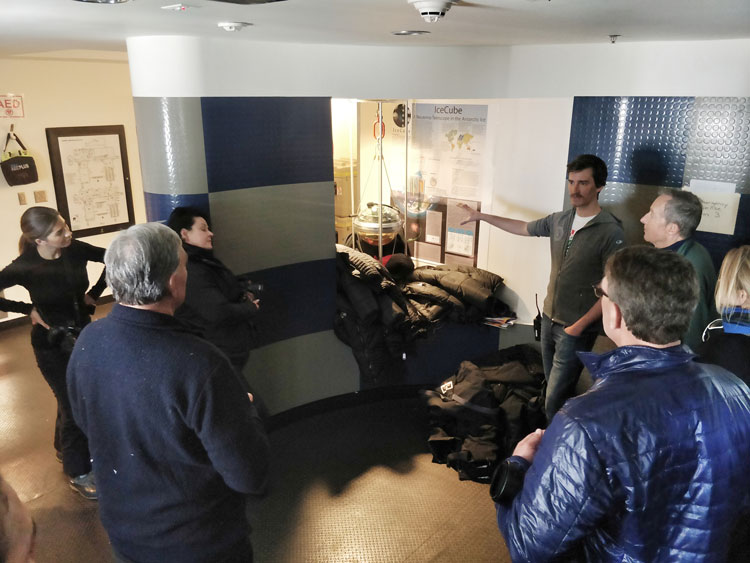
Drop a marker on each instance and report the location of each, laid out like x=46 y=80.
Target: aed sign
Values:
x=11 y=105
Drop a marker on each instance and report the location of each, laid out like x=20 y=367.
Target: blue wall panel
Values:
x=252 y=142
x=643 y=140
x=297 y=299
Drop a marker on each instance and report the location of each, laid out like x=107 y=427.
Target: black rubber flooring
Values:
x=350 y=485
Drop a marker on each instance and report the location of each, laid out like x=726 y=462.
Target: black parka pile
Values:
x=379 y=316
x=479 y=414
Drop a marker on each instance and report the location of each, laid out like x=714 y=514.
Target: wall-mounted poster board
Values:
x=91 y=177
x=448 y=148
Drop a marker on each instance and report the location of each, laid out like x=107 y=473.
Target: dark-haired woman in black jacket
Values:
x=217 y=303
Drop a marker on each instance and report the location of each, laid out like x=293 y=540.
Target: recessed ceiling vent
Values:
x=248 y=1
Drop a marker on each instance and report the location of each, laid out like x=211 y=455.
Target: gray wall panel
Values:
x=268 y=227
x=170 y=141
x=301 y=370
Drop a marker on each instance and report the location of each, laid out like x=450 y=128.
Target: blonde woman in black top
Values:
x=52 y=268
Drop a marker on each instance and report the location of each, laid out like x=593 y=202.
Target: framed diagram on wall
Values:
x=91 y=177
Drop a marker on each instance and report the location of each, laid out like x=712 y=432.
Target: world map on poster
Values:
x=462 y=140
x=94 y=180
x=449 y=141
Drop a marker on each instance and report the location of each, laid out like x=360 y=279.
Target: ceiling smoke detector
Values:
x=233 y=26
x=431 y=10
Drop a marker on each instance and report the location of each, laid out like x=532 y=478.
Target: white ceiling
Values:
x=34 y=26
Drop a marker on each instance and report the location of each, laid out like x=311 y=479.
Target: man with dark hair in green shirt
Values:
x=581 y=240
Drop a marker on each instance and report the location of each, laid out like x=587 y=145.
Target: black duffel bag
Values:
x=18 y=167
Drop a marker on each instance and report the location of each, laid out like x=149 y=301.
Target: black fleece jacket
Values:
x=216 y=307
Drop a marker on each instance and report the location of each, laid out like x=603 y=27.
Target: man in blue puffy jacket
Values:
x=651 y=463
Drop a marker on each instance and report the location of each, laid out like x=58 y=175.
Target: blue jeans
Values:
x=561 y=364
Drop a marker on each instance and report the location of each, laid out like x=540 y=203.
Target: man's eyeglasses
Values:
x=598 y=291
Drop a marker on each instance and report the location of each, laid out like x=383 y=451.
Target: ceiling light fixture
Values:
x=233 y=26
x=410 y=32
x=103 y=1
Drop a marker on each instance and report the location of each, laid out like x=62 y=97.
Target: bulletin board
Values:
x=449 y=148
x=438 y=236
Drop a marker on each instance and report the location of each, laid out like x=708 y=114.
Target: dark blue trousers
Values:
x=69 y=439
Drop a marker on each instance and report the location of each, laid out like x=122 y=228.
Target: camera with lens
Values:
x=64 y=337
x=256 y=288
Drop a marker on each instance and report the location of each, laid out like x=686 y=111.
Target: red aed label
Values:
x=11 y=105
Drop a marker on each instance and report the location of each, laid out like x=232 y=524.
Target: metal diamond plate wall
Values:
x=643 y=140
x=719 y=145
x=628 y=202
x=651 y=142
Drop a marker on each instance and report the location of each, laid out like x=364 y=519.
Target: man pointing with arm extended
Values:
x=581 y=240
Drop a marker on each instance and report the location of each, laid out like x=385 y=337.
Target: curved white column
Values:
x=178 y=66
